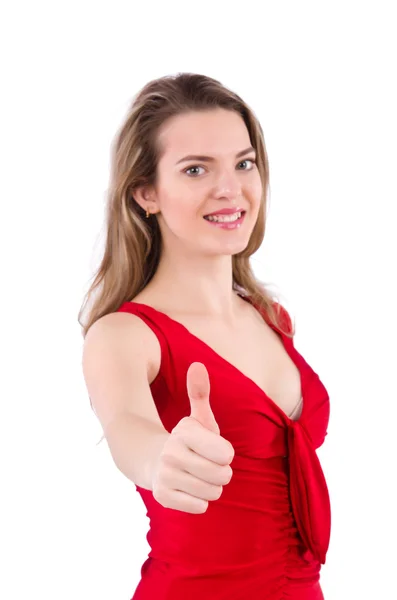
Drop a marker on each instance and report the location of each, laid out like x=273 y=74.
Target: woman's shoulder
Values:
x=127 y=334
x=282 y=315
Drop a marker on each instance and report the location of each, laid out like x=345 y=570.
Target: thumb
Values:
x=198 y=389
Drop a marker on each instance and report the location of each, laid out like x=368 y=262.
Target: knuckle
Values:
x=231 y=451
x=217 y=492
x=171 y=454
x=227 y=475
x=202 y=507
x=182 y=425
x=158 y=494
x=167 y=458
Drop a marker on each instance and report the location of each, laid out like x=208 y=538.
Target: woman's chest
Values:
x=258 y=353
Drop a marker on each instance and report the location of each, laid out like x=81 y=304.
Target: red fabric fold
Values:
x=309 y=493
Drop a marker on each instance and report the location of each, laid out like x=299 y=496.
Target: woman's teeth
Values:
x=224 y=218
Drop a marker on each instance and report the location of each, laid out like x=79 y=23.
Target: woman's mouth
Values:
x=232 y=221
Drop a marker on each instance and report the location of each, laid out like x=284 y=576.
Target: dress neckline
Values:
x=233 y=367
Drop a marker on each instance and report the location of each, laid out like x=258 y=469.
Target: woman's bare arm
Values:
x=121 y=356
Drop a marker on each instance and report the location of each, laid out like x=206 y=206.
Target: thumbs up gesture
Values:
x=193 y=465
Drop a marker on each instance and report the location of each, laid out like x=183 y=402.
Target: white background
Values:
x=320 y=76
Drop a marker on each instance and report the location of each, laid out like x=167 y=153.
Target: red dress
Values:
x=268 y=534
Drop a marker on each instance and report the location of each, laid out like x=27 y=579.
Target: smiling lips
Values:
x=225 y=211
x=226 y=221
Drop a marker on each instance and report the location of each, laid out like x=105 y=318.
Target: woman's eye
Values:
x=193 y=171
x=247 y=160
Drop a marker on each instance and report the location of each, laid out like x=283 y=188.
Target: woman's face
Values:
x=221 y=173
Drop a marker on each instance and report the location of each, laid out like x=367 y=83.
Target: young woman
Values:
x=189 y=361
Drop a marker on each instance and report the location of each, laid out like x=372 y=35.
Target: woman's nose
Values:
x=228 y=185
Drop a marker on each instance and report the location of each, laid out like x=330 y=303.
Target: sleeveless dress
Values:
x=268 y=534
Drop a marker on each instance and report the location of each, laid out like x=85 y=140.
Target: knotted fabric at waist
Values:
x=309 y=493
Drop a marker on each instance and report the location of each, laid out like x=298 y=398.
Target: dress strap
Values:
x=156 y=322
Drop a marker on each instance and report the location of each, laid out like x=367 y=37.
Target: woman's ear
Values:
x=145 y=197
x=141 y=196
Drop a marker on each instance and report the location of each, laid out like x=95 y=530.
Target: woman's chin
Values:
x=229 y=248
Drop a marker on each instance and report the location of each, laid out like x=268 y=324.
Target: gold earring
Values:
x=147 y=214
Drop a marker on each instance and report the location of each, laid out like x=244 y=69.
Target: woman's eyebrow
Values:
x=210 y=158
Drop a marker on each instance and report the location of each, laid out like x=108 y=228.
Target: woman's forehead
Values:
x=217 y=133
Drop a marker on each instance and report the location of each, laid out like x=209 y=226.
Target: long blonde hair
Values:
x=133 y=243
